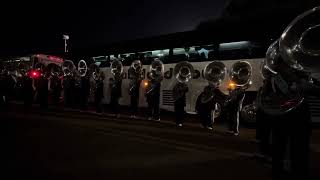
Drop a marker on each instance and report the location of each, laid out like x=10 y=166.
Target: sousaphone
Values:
x=156 y=74
x=135 y=75
x=214 y=73
x=298 y=47
x=240 y=74
x=183 y=72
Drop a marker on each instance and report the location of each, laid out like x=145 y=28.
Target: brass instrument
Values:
x=183 y=72
x=82 y=68
x=156 y=70
x=135 y=75
x=23 y=69
x=156 y=74
x=71 y=71
x=68 y=68
x=116 y=68
x=300 y=52
x=240 y=74
x=54 y=70
x=240 y=77
x=248 y=113
x=214 y=73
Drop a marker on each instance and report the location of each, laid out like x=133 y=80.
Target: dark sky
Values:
x=29 y=25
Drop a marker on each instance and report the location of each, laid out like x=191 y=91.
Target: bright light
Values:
x=34 y=74
x=65 y=37
x=146 y=83
x=231 y=85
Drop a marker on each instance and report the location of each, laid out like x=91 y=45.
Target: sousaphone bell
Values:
x=183 y=72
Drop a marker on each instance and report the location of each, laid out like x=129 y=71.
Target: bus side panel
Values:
x=195 y=85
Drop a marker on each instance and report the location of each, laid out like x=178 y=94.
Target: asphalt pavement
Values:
x=70 y=144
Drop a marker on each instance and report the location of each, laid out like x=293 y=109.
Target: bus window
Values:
x=234 y=50
x=147 y=58
x=240 y=50
x=176 y=58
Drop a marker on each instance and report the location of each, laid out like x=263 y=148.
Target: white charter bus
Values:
x=199 y=57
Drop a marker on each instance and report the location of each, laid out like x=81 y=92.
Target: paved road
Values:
x=71 y=145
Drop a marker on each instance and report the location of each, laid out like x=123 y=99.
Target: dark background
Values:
x=94 y=26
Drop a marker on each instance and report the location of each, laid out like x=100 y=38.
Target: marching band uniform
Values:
x=84 y=92
x=205 y=107
x=9 y=82
x=115 y=94
x=69 y=88
x=4 y=89
x=27 y=83
x=234 y=107
x=263 y=130
x=98 y=95
x=43 y=91
x=56 y=89
x=179 y=94
x=153 y=99
x=294 y=127
x=134 y=91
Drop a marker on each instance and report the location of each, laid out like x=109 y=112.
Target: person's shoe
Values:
x=149 y=118
x=236 y=134
x=210 y=128
x=179 y=125
x=132 y=116
x=230 y=132
x=158 y=120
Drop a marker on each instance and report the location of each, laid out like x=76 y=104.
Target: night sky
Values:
x=30 y=25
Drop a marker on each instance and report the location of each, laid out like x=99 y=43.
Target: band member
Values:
x=293 y=127
x=115 y=85
x=69 y=89
x=234 y=106
x=135 y=77
x=153 y=89
x=27 y=89
x=206 y=103
x=153 y=99
x=4 y=89
x=42 y=90
x=84 y=92
x=98 y=94
x=179 y=94
x=56 y=87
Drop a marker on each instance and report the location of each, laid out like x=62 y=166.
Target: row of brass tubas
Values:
x=215 y=73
